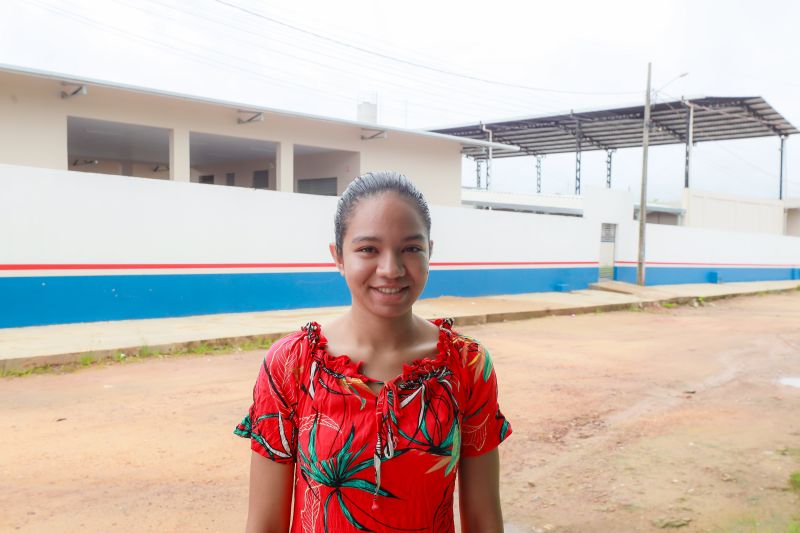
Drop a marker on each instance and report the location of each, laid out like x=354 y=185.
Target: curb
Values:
x=179 y=348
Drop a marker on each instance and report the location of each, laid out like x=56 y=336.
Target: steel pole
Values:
x=687 y=170
x=643 y=197
x=783 y=152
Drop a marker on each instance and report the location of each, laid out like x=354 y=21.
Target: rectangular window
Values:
x=230 y=179
x=261 y=179
x=322 y=186
x=208 y=178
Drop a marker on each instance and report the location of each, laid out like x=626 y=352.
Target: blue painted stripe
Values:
x=677 y=275
x=31 y=301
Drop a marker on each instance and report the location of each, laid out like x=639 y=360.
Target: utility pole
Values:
x=780 y=179
x=643 y=198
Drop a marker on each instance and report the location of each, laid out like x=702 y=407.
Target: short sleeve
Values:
x=483 y=425
x=270 y=424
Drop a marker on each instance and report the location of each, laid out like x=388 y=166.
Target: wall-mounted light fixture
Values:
x=246 y=117
x=368 y=134
x=72 y=89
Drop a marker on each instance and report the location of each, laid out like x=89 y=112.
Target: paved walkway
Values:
x=38 y=345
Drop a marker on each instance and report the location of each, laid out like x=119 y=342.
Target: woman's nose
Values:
x=391 y=265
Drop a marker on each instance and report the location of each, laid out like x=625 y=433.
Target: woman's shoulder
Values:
x=459 y=340
x=471 y=353
x=292 y=346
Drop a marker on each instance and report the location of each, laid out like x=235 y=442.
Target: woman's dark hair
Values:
x=371 y=184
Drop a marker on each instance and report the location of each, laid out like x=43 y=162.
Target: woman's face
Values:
x=385 y=255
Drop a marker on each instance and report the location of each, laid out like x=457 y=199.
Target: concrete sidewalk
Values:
x=22 y=348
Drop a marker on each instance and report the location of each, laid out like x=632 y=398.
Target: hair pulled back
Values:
x=372 y=184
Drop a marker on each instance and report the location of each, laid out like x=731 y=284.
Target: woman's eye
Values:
x=414 y=248
x=368 y=249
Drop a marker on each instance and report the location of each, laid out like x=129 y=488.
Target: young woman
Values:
x=370 y=416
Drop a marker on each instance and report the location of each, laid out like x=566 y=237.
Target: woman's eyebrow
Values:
x=372 y=238
x=365 y=238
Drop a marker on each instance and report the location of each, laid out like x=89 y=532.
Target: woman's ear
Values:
x=336 y=258
x=430 y=250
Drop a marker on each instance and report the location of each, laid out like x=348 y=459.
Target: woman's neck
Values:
x=374 y=333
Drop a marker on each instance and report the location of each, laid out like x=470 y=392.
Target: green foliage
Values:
x=669 y=305
x=143 y=352
x=794 y=481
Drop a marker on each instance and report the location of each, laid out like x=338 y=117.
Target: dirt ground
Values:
x=623 y=421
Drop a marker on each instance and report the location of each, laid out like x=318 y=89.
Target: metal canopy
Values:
x=713 y=119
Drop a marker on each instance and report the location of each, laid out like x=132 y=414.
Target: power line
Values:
x=414 y=63
x=367 y=72
x=172 y=48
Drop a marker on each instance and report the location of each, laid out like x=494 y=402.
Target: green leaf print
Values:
x=338 y=472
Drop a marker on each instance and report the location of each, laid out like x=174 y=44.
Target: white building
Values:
x=86 y=234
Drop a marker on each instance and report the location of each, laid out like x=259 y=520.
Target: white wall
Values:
x=57 y=217
x=689 y=246
x=716 y=211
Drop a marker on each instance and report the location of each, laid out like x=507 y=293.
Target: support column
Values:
x=783 y=161
x=578 y=135
x=179 y=166
x=539 y=173
x=689 y=141
x=608 y=167
x=489 y=134
x=284 y=167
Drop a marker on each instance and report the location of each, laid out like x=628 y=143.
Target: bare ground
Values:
x=624 y=421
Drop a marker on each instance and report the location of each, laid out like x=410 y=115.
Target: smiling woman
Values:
x=382 y=412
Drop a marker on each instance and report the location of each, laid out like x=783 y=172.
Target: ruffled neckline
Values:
x=343 y=364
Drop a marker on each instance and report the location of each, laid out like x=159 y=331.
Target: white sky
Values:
x=214 y=48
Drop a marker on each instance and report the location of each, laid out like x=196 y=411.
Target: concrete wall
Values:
x=33 y=131
x=118 y=167
x=678 y=254
x=76 y=246
x=716 y=211
x=793 y=222
x=344 y=166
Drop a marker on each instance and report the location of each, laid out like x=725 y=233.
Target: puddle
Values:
x=792 y=382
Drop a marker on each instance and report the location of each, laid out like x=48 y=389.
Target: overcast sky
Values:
x=417 y=57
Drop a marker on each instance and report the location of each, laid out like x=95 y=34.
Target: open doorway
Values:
x=106 y=147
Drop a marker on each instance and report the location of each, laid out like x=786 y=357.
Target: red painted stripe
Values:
x=706 y=264
x=151 y=266
x=512 y=263
x=144 y=266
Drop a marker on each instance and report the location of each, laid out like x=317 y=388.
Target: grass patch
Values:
x=141 y=353
x=669 y=305
x=791 y=452
x=794 y=527
x=794 y=481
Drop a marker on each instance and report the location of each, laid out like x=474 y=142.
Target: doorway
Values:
x=608 y=236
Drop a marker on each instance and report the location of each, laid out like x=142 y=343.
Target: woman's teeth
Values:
x=388 y=291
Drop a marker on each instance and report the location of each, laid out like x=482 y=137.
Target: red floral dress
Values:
x=374 y=462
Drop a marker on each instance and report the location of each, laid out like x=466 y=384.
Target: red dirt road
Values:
x=624 y=421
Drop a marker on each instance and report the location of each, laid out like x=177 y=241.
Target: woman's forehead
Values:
x=387 y=210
